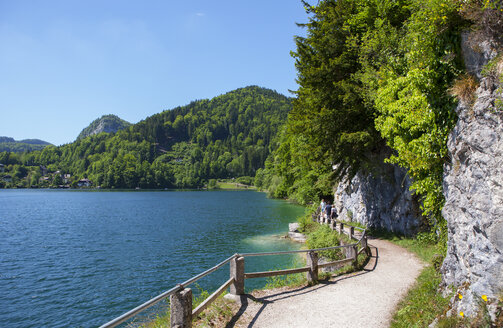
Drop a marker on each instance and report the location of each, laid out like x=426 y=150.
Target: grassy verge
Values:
x=233 y=186
x=423 y=303
x=218 y=314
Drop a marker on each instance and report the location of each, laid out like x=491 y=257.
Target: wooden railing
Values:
x=181 y=296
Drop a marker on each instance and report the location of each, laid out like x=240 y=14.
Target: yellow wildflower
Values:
x=484 y=297
x=462 y=314
x=460 y=296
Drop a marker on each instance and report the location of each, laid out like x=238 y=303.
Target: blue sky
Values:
x=65 y=63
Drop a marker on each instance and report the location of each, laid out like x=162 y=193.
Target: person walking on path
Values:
x=328 y=210
x=322 y=208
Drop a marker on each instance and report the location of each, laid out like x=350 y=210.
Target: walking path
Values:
x=361 y=299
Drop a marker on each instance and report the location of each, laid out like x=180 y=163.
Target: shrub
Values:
x=306 y=224
x=212 y=183
x=245 y=180
x=325 y=237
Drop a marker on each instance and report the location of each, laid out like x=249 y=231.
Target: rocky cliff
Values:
x=380 y=199
x=473 y=186
x=106 y=123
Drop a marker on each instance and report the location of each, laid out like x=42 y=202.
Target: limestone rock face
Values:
x=473 y=188
x=379 y=200
x=106 y=123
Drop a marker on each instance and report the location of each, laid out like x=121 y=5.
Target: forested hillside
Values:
x=228 y=136
x=19 y=146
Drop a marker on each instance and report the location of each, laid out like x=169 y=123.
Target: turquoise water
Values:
x=80 y=259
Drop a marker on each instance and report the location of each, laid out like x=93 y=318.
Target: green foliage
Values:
x=10 y=145
x=291 y=171
x=371 y=75
x=291 y=280
x=423 y=303
x=306 y=224
x=212 y=183
x=325 y=237
x=228 y=136
x=329 y=112
x=415 y=111
x=245 y=180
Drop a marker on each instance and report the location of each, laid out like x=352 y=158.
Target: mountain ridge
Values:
x=11 y=145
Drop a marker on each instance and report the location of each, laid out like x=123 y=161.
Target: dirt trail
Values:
x=361 y=299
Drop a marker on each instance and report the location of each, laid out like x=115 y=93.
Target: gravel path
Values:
x=361 y=299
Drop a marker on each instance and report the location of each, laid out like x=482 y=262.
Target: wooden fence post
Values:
x=238 y=273
x=351 y=252
x=351 y=232
x=312 y=263
x=181 y=309
x=341 y=228
x=332 y=224
x=364 y=242
x=367 y=249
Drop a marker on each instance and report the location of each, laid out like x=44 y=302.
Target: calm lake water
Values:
x=80 y=259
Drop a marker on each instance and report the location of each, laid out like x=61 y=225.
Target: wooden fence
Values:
x=181 y=296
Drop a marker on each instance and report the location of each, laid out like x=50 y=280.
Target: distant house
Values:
x=45 y=179
x=66 y=178
x=2 y=168
x=84 y=183
x=7 y=178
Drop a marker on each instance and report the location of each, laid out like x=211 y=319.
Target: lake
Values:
x=82 y=258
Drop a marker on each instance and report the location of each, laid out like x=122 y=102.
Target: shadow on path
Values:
x=369 y=267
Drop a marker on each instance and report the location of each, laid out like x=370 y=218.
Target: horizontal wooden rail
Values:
x=297 y=251
x=335 y=263
x=211 y=298
x=207 y=272
x=275 y=273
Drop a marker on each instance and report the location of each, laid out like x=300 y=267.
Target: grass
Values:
x=423 y=302
x=291 y=280
x=217 y=314
x=232 y=186
x=322 y=237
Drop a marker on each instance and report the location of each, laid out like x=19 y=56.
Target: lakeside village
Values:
x=40 y=177
x=18 y=177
